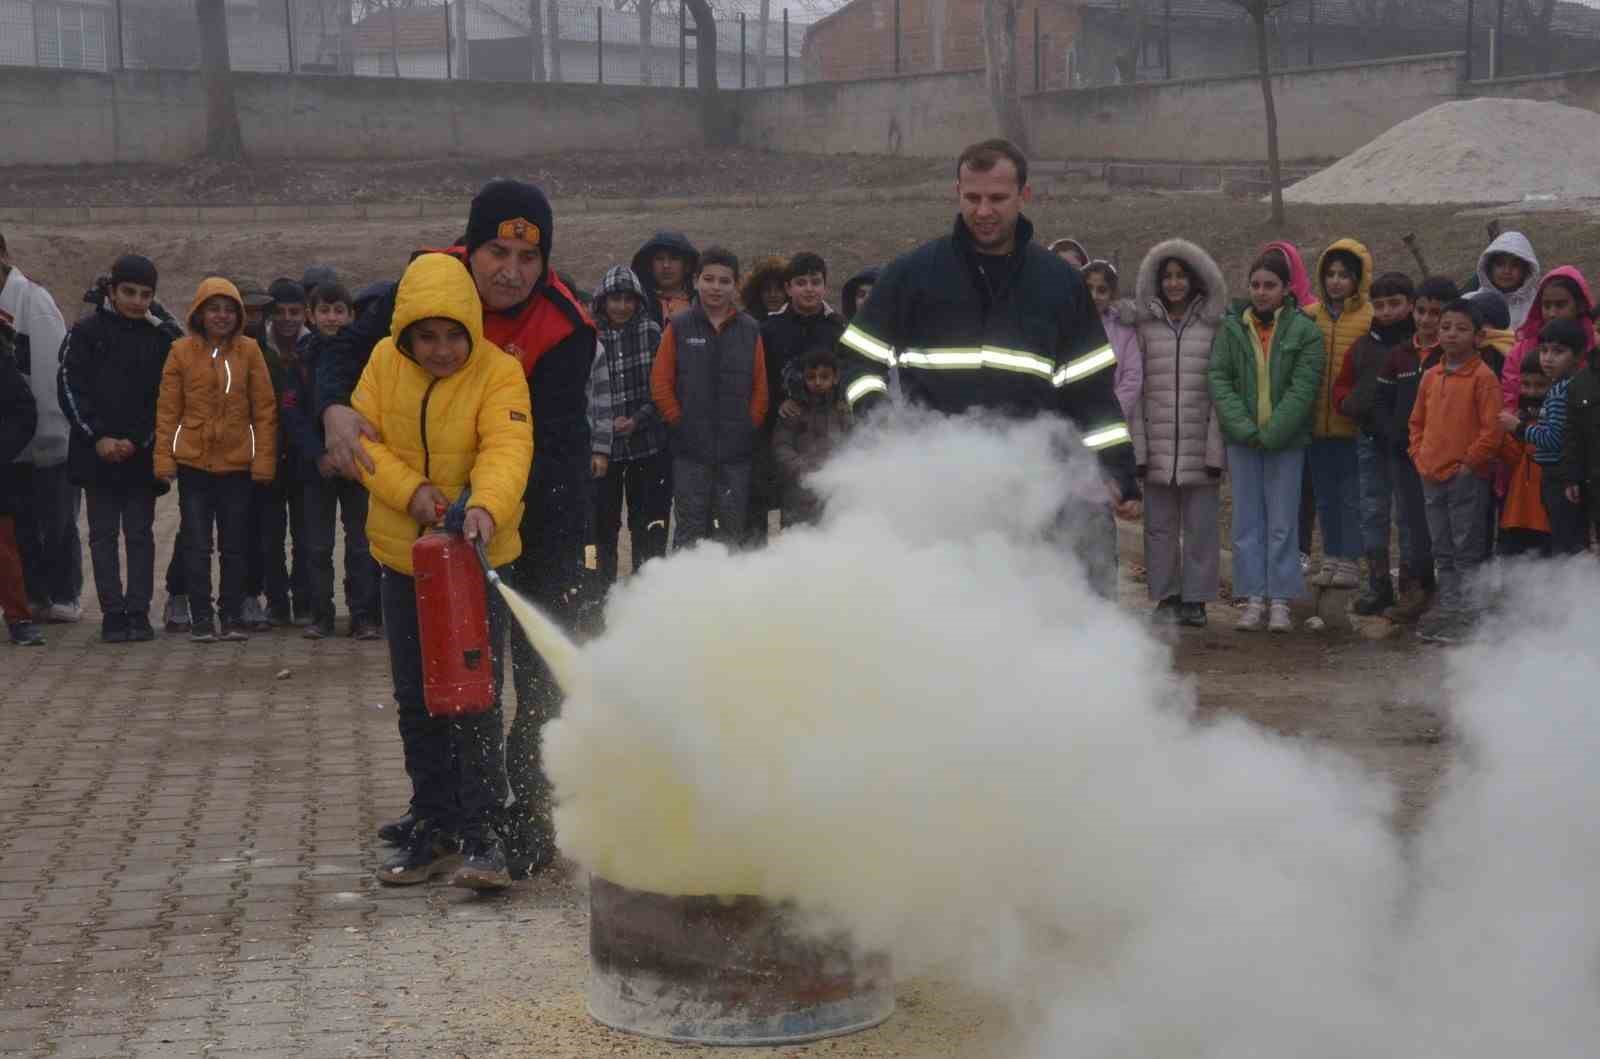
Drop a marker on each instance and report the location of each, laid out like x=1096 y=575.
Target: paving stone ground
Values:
x=186 y=864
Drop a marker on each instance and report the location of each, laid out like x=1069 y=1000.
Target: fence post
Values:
x=122 y=62
x=786 y=46
x=1311 y=34
x=449 y=46
x=683 y=50
x=896 y=37
x=1470 y=13
x=1499 y=42
x=1038 y=51
x=742 y=82
x=600 y=44
x=288 y=29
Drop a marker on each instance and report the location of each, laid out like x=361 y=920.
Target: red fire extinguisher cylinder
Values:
x=453 y=625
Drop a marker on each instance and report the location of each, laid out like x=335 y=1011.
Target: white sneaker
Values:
x=64 y=613
x=1346 y=574
x=1280 y=620
x=1254 y=613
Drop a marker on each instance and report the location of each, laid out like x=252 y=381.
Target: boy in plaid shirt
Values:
x=629 y=437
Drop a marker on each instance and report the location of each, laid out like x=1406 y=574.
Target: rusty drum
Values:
x=725 y=970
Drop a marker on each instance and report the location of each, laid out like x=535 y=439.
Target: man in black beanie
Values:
x=531 y=314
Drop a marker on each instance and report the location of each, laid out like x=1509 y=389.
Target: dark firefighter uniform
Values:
x=1017 y=334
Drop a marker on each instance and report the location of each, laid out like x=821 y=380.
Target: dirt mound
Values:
x=1480 y=150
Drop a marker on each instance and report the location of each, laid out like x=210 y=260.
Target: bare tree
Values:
x=1000 y=48
x=554 y=33
x=705 y=43
x=224 y=141
x=536 y=38
x=764 y=27
x=1127 y=61
x=647 y=34
x=1259 y=11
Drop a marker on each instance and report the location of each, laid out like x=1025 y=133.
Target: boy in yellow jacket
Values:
x=216 y=431
x=453 y=411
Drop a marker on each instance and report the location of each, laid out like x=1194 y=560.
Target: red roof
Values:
x=409 y=30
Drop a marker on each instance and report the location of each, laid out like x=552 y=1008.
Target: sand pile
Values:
x=1473 y=151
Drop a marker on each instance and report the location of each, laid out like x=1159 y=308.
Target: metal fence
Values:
x=497 y=40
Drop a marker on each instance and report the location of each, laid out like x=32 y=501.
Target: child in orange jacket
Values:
x=216 y=431
x=1524 y=524
x=1455 y=435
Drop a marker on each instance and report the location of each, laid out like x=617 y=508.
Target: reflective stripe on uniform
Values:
x=1106 y=437
x=974 y=358
x=1086 y=365
x=867 y=384
x=866 y=345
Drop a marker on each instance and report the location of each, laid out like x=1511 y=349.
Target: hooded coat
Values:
x=679 y=244
x=40 y=331
x=472 y=427
x=763 y=272
x=1299 y=279
x=218 y=411
x=1177 y=439
x=1339 y=334
x=109 y=385
x=1520 y=301
x=1280 y=417
x=1528 y=333
x=629 y=352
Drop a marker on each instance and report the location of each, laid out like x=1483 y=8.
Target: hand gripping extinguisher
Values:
x=453 y=618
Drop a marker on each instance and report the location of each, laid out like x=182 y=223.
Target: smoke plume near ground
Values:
x=918 y=722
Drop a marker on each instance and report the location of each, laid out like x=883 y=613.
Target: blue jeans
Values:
x=1266 y=522
x=1377 y=499
x=1337 y=481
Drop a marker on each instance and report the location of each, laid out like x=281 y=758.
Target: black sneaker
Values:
x=233 y=632
x=319 y=630
x=428 y=853
x=1166 y=612
x=114 y=628
x=1192 y=614
x=25 y=634
x=529 y=841
x=139 y=629
x=301 y=614
x=398 y=832
x=276 y=616
x=366 y=630
x=202 y=632
x=483 y=862
x=176 y=615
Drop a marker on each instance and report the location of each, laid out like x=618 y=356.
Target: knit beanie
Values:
x=510 y=209
x=131 y=268
x=287 y=292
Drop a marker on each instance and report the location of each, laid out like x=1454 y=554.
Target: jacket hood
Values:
x=209 y=288
x=619 y=279
x=1299 y=279
x=852 y=289
x=438 y=285
x=1069 y=244
x=677 y=242
x=760 y=274
x=1363 y=283
x=1147 y=286
x=1534 y=323
x=1518 y=246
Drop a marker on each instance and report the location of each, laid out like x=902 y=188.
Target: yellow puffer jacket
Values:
x=1337 y=338
x=217 y=410
x=472 y=427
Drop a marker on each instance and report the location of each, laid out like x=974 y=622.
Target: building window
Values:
x=71 y=38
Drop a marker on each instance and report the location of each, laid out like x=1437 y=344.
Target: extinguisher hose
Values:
x=455 y=520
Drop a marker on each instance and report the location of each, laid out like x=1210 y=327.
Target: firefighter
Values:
x=985 y=318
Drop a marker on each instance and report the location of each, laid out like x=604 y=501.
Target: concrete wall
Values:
x=150 y=116
x=931 y=115
x=1576 y=88
x=1323 y=113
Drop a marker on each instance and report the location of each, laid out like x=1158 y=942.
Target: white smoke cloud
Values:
x=918 y=721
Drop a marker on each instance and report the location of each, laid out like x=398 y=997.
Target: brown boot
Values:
x=1415 y=599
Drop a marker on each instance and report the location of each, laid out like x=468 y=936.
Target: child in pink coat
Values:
x=1101 y=276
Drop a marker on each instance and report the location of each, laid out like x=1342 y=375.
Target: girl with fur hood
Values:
x=1179 y=302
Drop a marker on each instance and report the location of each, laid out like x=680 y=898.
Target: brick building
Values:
x=858 y=40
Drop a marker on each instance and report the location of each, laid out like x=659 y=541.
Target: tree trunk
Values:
x=1127 y=63
x=705 y=43
x=763 y=27
x=1274 y=166
x=1000 y=47
x=647 y=33
x=224 y=141
x=536 y=38
x=555 y=40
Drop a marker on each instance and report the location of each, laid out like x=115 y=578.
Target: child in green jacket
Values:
x=1266 y=370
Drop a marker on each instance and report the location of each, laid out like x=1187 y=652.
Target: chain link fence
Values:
x=496 y=40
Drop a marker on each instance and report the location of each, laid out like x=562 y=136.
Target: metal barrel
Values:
x=725 y=971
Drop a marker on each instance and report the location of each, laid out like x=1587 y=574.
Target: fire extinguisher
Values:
x=453 y=618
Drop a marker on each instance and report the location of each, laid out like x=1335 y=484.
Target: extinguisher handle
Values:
x=455 y=519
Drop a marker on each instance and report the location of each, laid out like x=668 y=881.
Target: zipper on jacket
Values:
x=427 y=457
